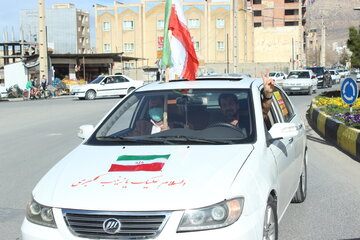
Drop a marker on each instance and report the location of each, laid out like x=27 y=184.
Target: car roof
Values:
x=203 y=83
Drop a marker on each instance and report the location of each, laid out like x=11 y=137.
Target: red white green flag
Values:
x=178 y=52
x=131 y=163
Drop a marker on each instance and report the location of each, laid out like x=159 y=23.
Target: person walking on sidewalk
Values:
x=29 y=85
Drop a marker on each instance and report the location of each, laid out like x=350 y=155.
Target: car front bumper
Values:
x=246 y=227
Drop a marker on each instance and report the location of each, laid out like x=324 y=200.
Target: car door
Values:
x=285 y=150
x=122 y=85
x=105 y=87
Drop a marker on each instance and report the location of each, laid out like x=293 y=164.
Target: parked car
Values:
x=335 y=76
x=202 y=178
x=279 y=77
x=111 y=85
x=3 y=92
x=323 y=75
x=303 y=81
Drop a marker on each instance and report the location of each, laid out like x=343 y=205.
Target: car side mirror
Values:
x=283 y=130
x=313 y=76
x=284 y=77
x=85 y=131
x=102 y=83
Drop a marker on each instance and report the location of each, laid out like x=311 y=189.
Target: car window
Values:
x=121 y=79
x=284 y=105
x=272 y=74
x=190 y=113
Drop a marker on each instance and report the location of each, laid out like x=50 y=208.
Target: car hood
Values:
x=192 y=176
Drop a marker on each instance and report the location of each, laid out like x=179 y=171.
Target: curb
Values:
x=347 y=139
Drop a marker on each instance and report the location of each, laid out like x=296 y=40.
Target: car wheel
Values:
x=130 y=90
x=270 y=228
x=300 y=194
x=90 y=95
x=310 y=90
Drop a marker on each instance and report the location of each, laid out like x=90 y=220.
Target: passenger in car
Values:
x=155 y=124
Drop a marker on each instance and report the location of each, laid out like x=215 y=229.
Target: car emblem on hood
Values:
x=111 y=226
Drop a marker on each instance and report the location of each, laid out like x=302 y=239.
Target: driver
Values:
x=230 y=107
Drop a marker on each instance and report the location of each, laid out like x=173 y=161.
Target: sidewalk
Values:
x=21 y=99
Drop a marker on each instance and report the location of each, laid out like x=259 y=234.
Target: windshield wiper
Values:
x=190 y=139
x=116 y=139
x=127 y=139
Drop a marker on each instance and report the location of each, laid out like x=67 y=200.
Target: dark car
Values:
x=323 y=75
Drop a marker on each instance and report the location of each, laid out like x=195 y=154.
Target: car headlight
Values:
x=216 y=216
x=39 y=214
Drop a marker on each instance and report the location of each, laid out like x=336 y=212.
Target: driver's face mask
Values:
x=156 y=114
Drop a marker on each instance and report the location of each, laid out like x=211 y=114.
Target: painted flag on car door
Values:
x=131 y=163
x=178 y=52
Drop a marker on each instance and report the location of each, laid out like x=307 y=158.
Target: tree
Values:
x=354 y=46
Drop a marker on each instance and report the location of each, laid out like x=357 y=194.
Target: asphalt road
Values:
x=34 y=135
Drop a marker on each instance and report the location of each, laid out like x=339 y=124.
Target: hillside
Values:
x=338 y=17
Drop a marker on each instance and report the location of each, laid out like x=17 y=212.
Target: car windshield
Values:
x=298 y=74
x=187 y=116
x=98 y=80
x=317 y=71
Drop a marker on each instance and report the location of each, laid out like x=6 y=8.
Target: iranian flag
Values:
x=178 y=52
x=132 y=163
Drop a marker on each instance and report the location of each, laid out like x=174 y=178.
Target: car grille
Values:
x=133 y=225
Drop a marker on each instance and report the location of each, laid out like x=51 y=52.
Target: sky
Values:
x=10 y=12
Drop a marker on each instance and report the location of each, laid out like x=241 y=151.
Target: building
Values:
x=280 y=28
x=74 y=38
x=137 y=30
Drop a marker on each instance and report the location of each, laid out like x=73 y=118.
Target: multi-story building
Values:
x=138 y=29
x=225 y=40
x=280 y=23
x=68 y=28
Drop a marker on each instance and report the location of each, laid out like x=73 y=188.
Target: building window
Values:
x=256 y=1
x=291 y=1
x=128 y=25
x=193 y=23
x=197 y=46
x=220 y=46
x=257 y=24
x=293 y=23
x=220 y=23
x=129 y=65
x=107 y=48
x=257 y=13
x=106 y=26
x=129 y=47
x=160 y=24
x=292 y=12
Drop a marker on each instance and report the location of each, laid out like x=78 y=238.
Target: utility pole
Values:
x=236 y=31
x=323 y=43
x=43 y=55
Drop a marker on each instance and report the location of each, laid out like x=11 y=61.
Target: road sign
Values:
x=349 y=91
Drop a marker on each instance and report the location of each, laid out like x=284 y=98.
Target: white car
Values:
x=110 y=85
x=3 y=92
x=357 y=77
x=344 y=73
x=303 y=81
x=335 y=76
x=279 y=77
x=202 y=178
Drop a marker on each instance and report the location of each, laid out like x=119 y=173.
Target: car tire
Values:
x=270 y=227
x=310 y=91
x=300 y=194
x=90 y=95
